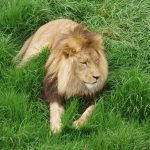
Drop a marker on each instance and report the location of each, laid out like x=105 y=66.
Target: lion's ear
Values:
x=66 y=53
x=98 y=43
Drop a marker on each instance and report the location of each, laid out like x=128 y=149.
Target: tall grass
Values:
x=121 y=119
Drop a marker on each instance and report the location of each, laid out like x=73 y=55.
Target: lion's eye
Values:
x=84 y=63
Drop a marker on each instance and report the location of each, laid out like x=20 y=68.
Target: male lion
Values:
x=77 y=66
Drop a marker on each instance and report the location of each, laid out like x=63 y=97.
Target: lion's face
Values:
x=87 y=69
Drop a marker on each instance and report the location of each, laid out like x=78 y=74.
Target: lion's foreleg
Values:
x=56 y=111
x=84 y=117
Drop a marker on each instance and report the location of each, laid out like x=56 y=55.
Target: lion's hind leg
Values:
x=34 y=49
x=23 y=49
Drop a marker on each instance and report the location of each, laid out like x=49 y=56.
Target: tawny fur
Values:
x=77 y=65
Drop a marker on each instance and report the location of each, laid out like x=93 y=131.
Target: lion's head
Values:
x=77 y=64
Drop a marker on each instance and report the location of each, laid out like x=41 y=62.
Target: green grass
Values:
x=121 y=120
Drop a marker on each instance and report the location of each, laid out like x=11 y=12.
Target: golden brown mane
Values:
x=78 y=39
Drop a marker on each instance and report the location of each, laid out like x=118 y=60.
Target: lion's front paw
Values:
x=56 y=128
x=79 y=122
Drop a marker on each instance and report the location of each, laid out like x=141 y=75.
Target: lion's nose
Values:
x=96 y=77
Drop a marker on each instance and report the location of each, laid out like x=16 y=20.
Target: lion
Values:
x=77 y=66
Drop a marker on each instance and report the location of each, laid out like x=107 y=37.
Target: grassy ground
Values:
x=121 y=120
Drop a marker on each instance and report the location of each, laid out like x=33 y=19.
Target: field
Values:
x=121 y=120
